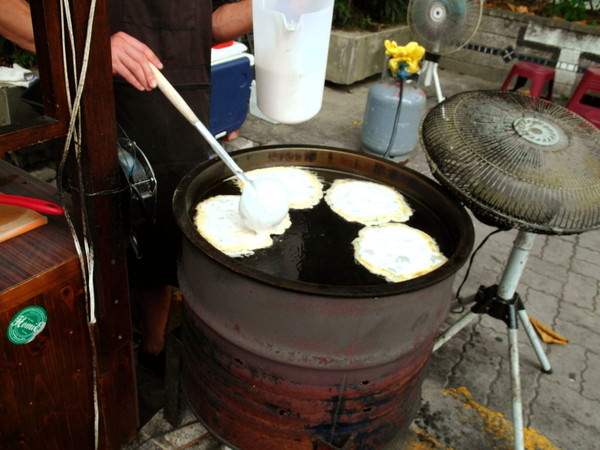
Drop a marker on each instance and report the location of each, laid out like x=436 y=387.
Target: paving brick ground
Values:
x=466 y=399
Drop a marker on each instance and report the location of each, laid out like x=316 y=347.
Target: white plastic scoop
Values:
x=263 y=203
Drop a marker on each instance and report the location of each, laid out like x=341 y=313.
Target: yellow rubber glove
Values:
x=409 y=55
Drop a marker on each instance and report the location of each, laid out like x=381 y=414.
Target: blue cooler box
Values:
x=232 y=74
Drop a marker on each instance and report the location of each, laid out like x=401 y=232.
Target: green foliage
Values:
x=572 y=10
x=368 y=14
x=389 y=11
x=11 y=53
x=583 y=11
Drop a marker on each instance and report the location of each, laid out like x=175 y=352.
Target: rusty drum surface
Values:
x=293 y=349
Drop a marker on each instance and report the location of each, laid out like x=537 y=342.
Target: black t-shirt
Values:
x=217 y=3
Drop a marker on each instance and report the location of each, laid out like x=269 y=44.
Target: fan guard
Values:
x=444 y=26
x=140 y=179
x=516 y=161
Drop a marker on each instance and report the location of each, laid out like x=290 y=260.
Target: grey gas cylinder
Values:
x=388 y=131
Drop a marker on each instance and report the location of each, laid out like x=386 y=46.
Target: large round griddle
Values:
x=517 y=161
x=315 y=254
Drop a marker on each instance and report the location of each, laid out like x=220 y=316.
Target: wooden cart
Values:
x=73 y=386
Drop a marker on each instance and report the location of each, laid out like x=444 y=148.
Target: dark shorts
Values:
x=173 y=147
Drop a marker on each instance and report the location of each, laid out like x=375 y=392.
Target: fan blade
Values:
x=520 y=160
x=444 y=26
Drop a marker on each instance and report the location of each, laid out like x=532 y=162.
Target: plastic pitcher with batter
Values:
x=291 y=42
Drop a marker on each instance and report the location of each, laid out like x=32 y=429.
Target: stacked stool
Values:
x=538 y=75
x=589 y=83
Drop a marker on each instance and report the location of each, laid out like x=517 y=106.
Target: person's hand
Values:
x=130 y=59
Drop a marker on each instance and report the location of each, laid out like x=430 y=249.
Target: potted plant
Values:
x=371 y=15
x=360 y=27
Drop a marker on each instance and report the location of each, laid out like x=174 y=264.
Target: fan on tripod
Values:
x=442 y=27
x=141 y=184
x=517 y=162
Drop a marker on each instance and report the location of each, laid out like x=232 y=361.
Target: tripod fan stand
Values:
x=430 y=72
x=516 y=162
x=502 y=302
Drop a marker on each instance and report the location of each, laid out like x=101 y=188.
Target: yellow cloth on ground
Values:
x=546 y=334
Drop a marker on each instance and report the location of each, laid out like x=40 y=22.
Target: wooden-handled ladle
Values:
x=263 y=203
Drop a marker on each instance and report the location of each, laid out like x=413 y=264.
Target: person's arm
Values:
x=231 y=20
x=130 y=57
x=15 y=23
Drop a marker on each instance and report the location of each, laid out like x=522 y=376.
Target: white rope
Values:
x=86 y=257
x=66 y=15
x=74 y=136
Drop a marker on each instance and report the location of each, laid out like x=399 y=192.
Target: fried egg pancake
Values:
x=218 y=221
x=367 y=202
x=397 y=251
x=304 y=188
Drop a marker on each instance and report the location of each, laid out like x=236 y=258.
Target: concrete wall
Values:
x=504 y=38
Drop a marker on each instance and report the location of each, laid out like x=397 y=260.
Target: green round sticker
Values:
x=26 y=325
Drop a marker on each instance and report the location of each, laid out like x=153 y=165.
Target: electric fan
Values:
x=517 y=162
x=442 y=27
x=142 y=187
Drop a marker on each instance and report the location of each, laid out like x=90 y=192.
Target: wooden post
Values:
x=101 y=196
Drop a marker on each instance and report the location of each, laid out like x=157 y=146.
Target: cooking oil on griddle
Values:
x=317 y=248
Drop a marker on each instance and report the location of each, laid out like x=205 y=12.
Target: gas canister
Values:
x=395 y=105
x=392 y=117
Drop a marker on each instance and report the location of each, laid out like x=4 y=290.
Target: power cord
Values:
x=396 y=118
x=461 y=307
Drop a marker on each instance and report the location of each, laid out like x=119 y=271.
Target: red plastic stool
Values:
x=589 y=83
x=538 y=75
